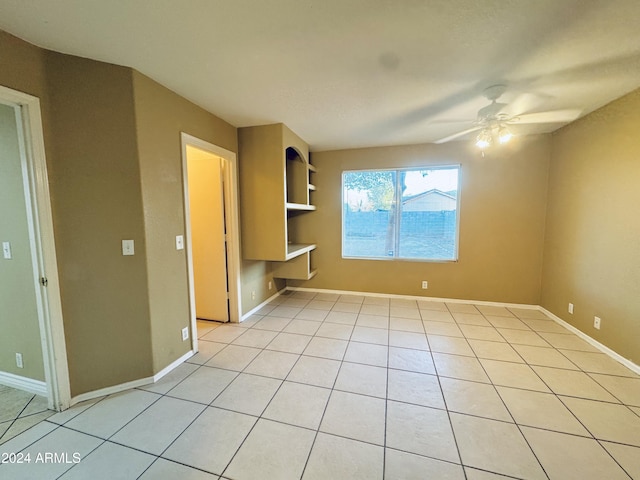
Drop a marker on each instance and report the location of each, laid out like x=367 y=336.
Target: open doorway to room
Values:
x=32 y=346
x=211 y=226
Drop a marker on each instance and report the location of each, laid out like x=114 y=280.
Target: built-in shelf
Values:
x=276 y=187
x=297 y=268
x=296 y=249
x=299 y=206
x=312 y=168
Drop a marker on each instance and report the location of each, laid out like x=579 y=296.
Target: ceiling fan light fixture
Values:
x=484 y=139
x=504 y=134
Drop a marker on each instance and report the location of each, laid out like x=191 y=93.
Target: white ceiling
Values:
x=351 y=73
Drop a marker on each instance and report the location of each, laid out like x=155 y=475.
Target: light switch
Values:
x=179 y=242
x=127 y=247
x=6 y=250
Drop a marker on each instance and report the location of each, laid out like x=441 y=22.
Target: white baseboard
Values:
x=111 y=390
x=416 y=297
x=266 y=302
x=173 y=365
x=40 y=388
x=30 y=385
x=133 y=384
x=603 y=348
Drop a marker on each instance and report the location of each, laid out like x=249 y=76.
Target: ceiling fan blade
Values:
x=457 y=135
x=552 y=116
x=452 y=121
x=525 y=102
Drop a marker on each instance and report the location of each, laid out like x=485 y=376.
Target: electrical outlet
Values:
x=179 y=242
x=571 y=308
x=19 y=363
x=596 y=323
x=185 y=333
x=425 y=284
x=270 y=285
x=253 y=295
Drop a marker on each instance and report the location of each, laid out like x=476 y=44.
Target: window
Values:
x=401 y=214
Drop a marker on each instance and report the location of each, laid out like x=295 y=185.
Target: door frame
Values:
x=42 y=239
x=230 y=181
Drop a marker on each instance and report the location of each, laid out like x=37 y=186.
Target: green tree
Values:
x=381 y=190
x=378 y=185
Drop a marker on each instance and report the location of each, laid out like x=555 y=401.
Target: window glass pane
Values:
x=368 y=225
x=428 y=209
x=408 y=213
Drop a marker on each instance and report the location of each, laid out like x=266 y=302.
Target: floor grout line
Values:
x=343 y=361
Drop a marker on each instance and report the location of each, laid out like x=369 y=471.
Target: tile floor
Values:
x=19 y=411
x=322 y=386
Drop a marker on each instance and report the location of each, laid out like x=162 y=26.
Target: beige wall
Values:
x=97 y=202
x=502 y=212
x=161 y=115
x=18 y=311
x=592 y=244
x=23 y=67
x=112 y=140
x=256 y=276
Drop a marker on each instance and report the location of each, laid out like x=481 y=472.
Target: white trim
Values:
x=37 y=387
x=43 y=242
x=603 y=348
x=111 y=390
x=132 y=384
x=232 y=227
x=173 y=365
x=266 y=302
x=417 y=297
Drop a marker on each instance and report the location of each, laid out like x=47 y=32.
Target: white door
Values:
x=208 y=245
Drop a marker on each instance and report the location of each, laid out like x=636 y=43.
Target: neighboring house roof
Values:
x=433 y=191
x=433 y=200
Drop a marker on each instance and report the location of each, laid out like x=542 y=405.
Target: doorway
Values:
x=205 y=173
x=34 y=359
x=211 y=227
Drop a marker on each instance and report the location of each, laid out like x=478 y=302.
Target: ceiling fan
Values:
x=493 y=122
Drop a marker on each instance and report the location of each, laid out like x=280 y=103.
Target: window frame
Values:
x=398 y=194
